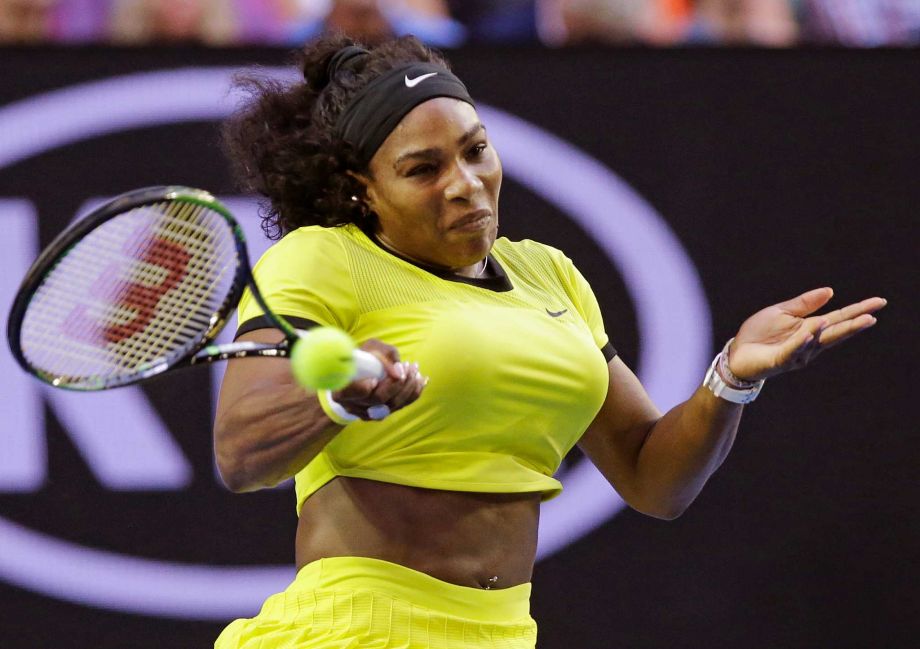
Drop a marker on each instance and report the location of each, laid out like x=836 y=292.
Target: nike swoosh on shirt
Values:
x=411 y=83
x=555 y=314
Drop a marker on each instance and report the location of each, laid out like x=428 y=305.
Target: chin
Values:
x=490 y=236
x=483 y=243
x=471 y=247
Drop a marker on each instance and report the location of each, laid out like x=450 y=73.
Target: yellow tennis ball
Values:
x=322 y=359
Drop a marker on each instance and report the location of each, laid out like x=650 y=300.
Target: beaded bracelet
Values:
x=728 y=376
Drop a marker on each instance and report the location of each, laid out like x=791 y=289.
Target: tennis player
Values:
x=418 y=501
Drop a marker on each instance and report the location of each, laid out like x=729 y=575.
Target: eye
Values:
x=477 y=150
x=421 y=170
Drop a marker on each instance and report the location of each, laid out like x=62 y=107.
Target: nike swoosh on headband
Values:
x=554 y=314
x=411 y=83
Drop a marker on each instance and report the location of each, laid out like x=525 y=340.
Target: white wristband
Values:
x=342 y=417
x=334 y=409
x=717 y=385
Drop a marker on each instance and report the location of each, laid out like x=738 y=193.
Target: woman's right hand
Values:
x=401 y=385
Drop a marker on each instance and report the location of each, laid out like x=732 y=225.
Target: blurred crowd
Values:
x=452 y=23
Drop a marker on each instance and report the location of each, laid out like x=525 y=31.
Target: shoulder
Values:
x=310 y=236
x=306 y=246
x=526 y=246
x=539 y=260
x=305 y=275
x=533 y=254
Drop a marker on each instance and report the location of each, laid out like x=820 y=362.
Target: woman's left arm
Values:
x=659 y=464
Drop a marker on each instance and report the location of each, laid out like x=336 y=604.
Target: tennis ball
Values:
x=322 y=359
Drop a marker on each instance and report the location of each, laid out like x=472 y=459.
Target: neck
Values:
x=474 y=270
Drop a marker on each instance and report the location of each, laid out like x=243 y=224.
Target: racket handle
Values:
x=367 y=366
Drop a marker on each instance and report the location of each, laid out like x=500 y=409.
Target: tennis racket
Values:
x=141 y=286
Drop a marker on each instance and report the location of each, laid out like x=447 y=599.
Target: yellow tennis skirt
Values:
x=354 y=602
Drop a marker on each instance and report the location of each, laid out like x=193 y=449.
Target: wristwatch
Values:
x=717 y=385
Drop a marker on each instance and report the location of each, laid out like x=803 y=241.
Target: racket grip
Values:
x=367 y=366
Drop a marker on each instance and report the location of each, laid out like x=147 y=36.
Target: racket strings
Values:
x=187 y=310
x=199 y=266
x=140 y=271
x=82 y=322
x=138 y=290
x=175 y=317
x=81 y=271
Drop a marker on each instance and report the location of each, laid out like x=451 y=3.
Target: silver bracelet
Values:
x=722 y=389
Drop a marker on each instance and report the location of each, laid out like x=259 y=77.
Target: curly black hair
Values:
x=282 y=142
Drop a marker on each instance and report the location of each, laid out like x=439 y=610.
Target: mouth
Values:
x=472 y=221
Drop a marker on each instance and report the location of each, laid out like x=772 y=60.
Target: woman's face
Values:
x=434 y=185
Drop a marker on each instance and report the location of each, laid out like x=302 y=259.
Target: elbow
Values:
x=239 y=479
x=233 y=464
x=234 y=482
x=232 y=473
x=241 y=471
x=664 y=513
x=661 y=508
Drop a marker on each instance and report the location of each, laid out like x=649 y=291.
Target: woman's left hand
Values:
x=786 y=336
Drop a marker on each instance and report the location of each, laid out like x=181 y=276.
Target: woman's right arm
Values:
x=268 y=427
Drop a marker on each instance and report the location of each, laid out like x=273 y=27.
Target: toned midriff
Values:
x=470 y=539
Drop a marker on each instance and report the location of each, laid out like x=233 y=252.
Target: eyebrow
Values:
x=430 y=152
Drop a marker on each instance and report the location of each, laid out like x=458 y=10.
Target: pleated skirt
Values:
x=352 y=602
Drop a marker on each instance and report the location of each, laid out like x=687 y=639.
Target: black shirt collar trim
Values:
x=495 y=279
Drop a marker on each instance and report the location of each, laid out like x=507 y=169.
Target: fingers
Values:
x=399 y=393
x=410 y=389
x=388 y=355
x=870 y=305
x=371 y=398
x=837 y=333
x=808 y=302
x=389 y=395
x=823 y=332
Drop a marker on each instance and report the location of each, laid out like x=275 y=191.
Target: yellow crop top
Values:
x=517 y=360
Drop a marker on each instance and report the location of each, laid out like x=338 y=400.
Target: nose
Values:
x=463 y=183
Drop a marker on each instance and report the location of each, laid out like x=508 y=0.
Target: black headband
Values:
x=340 y=58
x=376 y=109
